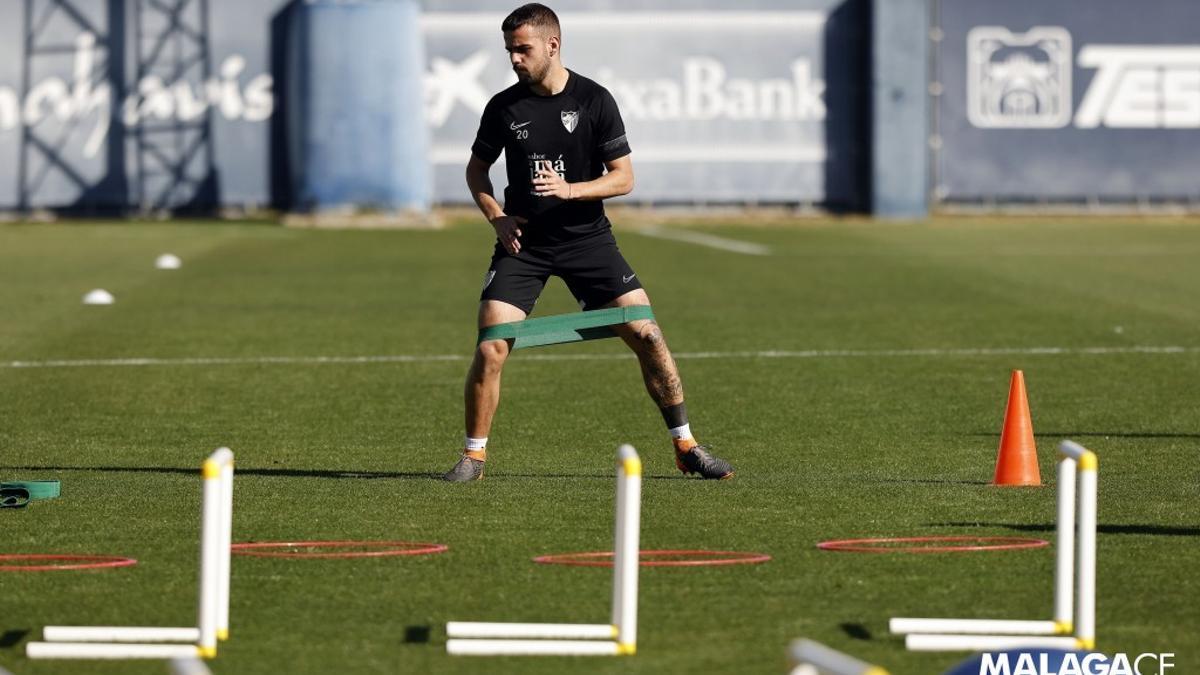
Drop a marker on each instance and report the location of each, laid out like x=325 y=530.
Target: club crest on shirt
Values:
x=570 y=120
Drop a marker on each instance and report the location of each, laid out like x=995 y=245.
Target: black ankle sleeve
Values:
x=675 y=415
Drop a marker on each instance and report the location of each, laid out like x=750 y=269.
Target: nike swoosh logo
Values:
x=627 y=279
x=514 y=126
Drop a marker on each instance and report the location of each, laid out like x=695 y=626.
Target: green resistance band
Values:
x=552 y=330
x=18 y=493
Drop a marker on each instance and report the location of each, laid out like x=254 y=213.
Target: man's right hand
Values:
x=508 y=231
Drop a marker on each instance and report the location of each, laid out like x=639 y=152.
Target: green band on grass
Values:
x=552 y=330
x=37 y=489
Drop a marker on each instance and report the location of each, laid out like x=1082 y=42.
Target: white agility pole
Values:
x=1075 y=564
x=212 y=532
x=225 y=549
x=119 y=634
x=626 y=546
x=1089 y=474
x=811 y=657
x=111 y=650
x=480 y=638
x=972 y=626
x=216 y=533
x=986 y=643
x=461 y=647
x=1064 y=553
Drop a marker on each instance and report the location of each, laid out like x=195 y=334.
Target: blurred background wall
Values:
x=192 y=105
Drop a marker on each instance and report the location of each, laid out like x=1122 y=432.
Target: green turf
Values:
x=876 y=442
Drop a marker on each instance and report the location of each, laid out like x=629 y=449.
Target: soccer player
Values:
x=565 y=149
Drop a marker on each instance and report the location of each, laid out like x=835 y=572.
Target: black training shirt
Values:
x=575 y=130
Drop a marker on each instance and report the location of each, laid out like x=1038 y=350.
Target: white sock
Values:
x=476 y=444
x=681 y=433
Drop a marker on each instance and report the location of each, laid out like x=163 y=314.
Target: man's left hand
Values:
x=549 y=184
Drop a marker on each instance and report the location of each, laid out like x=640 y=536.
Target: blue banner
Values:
x=118 y=104
x=1070 y=100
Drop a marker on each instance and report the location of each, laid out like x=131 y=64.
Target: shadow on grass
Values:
x=932 y=481
x=319 y=473
x=1157 y=530
x=1097 y=434
x=417 y=634
x=286 y=473
x=10 y=638
x=604 y=476
x=856 y=631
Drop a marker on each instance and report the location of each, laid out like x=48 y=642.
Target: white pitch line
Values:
x=765 y=354
x=709 y=240
x=235 y=361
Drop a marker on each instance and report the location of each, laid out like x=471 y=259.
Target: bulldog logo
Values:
x=1019 y=80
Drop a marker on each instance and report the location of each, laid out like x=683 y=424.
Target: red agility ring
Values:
x=371 y=549
x=71 y=562
x=906 y=544
x=657 y=558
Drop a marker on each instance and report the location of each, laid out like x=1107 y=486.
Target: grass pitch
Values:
x=856 y=377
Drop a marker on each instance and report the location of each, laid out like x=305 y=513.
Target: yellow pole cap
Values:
x=1089 y=462
x=211 y=469
x=632 y=466
x=629 y=461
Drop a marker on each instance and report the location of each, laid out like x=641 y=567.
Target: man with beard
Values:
x=566 y=150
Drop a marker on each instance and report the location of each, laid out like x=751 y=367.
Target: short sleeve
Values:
x=609 y=133
x=489 y=141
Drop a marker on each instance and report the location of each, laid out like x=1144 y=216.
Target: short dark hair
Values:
x=534 y=14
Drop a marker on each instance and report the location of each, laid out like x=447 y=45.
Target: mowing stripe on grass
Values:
x=767 y=354
x=709 y=240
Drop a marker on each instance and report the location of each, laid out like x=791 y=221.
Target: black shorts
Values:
x=593 y=268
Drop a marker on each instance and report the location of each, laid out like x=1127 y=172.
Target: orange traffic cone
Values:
x=1016 y=462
